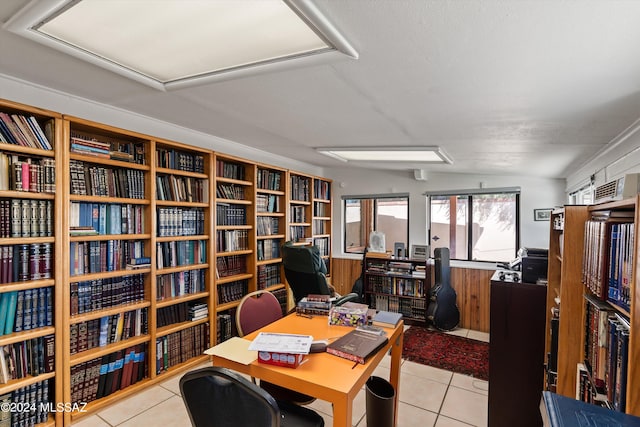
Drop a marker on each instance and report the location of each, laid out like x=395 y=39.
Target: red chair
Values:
x=258 y=309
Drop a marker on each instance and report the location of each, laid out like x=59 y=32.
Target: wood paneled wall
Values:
x=472 y=287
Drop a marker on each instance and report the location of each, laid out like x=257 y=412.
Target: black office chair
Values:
x=305 y=272
x=220 y=397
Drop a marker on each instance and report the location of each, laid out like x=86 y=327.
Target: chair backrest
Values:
x=257 y=309
x=304 y=270
x=219 y=397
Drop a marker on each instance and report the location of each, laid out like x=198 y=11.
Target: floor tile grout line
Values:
x=142 y=412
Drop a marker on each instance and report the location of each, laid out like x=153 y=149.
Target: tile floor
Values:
x=429 y=397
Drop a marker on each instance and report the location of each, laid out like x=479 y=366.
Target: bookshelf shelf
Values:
x=269 y=261
x=233 y=181
x=93 y=353
x=167 y=270
x=101 y=237
x=108 y=162
x=105 y=199
x=183 y=298
x=234 y=227
x=184 y=204
x=176 y=327
x=270 y=236
x=231 y=253
x=107 y=274
x=97 y=314
x=234 y=278
x=34 y=284
x=167 y=171
x=182 y=238
x=24 y=382
x=233 y=201
x=26 y=335
x=226 y=306
x=11 y=194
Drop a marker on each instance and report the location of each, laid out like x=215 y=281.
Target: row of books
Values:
x=396 y=286
x=108 y=218
x=102 y=376
x=230 y=170
x=297 y=214
x=184 y=252
x=232 y=291
x=180 y=283
x=25 y=310
x=282 y=296
x=605 y=355
x=268 y=275
x=230 y=191
x=23 y=262
x=268 y=203
x=178 y=347
x=104 y=255
x=268 y=249
x=321 y=190
x=182 y=189
x=321 y=209
x=298 y=233
x=31 y=357
x=89 y=180
x=26 y=218
x=269 y=180
x=19 y=173
x=415 y=308
x=88 y=296
x=608 y=258
x=18 y=129
x=231 y=265
x=227 y=214
x=182 y=312
x=177 y=221
x=108 y=148
x=267 y=226
x=179 y=160
x=226 y=327
x=323 y=245
x=26 y=397
x=107 y=330
x=321 y=226
x=232 y=240
x=299 y=188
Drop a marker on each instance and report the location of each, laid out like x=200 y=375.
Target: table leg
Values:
x=342 y=412
x=394 y=379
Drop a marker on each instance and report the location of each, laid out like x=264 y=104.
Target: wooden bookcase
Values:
x=235 y=251
x=42 y=277
x=567 y=290
x=321 y=219
x=183 y=253
x=392 y=284
x=119 y=195
x=271 y=227
x=299 y=208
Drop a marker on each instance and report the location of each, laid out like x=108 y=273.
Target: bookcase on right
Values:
x=398 y=285
x=595 y=297
x=321 y=226
x=299 y=208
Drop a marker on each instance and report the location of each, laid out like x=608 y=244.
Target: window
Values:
x=364 y=214
x=476 y=226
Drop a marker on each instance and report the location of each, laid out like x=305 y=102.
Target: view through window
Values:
x=387 y=214
x=475 y=227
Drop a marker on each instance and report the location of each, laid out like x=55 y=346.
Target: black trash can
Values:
x=380 y=402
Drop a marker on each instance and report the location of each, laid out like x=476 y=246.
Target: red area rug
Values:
x=446 y=351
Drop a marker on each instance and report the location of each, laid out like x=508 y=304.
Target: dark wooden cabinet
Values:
x=516 y=352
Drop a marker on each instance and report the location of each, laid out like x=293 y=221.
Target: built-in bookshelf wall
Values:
x=30 y=249
x=130 y=252
x=596 y=301
x=321 y=219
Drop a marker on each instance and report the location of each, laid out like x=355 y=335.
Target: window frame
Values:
x=469 y=214
x=374 y=198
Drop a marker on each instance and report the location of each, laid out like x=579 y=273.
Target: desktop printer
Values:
x=534 y=264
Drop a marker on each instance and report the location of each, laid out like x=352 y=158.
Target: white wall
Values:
x=37 y=96
x=536 y=193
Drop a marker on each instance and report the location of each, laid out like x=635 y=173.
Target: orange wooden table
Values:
x=322 y=375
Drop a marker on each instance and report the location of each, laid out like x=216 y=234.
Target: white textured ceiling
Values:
x=505 y=87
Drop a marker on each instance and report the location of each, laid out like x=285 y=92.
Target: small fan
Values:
x=376 y=242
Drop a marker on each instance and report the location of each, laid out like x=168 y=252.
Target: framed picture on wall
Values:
x=542 y=214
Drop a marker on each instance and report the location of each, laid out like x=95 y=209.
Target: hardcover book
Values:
x=386 y=319
x=561 y=411
x=357 y=345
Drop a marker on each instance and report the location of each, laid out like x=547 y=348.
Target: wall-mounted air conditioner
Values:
x=621 y=188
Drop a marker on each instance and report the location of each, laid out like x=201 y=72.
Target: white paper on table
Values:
x=282 y=343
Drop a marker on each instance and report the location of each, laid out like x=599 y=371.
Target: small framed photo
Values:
x=542 y=214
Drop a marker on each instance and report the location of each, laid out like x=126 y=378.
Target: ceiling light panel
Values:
x=176 y=43
x=388 y=154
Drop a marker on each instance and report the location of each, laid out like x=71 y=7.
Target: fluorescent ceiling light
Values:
x=429 y=154
x=175 y=43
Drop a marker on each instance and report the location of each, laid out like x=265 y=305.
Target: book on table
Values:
x=357 y=345
x=386 y=319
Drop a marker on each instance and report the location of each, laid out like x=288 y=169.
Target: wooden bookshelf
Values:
x=321 y=219
x=299 y=208
x=569 y=268
x=235 y=232
x=43 y=236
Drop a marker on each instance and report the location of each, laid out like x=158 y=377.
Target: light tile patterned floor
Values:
x=429 y=397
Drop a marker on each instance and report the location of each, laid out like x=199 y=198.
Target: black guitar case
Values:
x=442 y=310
